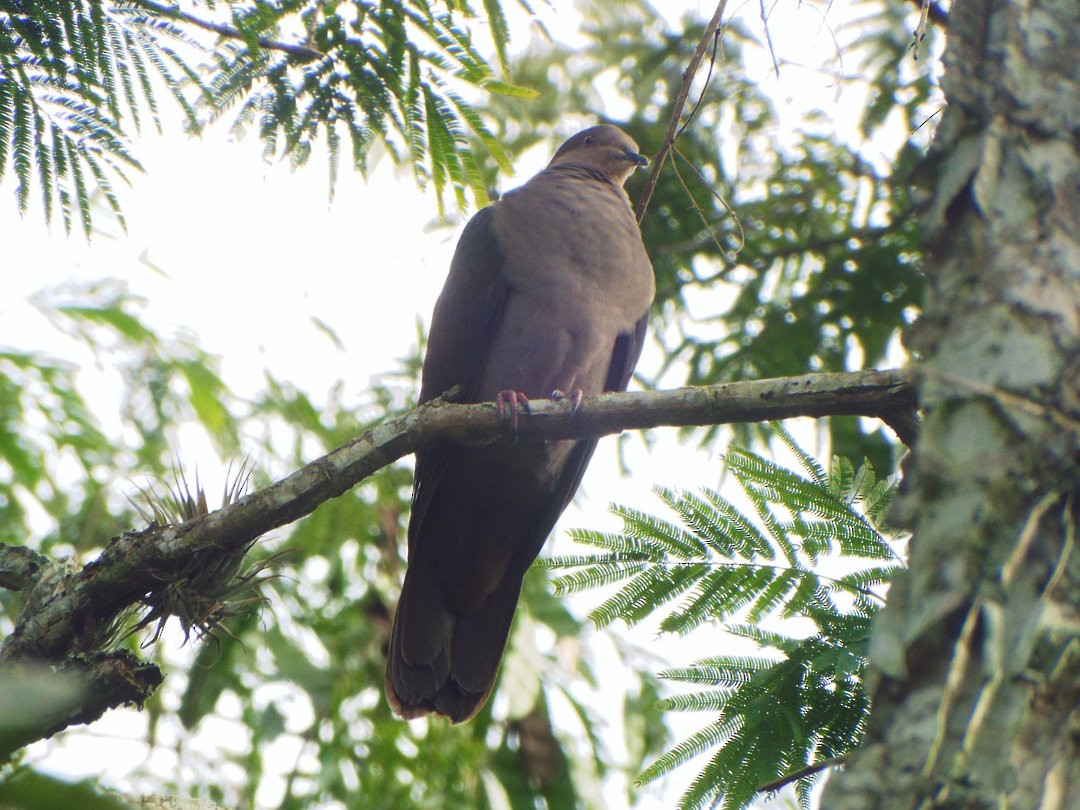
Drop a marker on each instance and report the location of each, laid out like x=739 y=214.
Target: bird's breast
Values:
x=579 y=277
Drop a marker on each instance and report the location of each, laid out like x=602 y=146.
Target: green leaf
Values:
x=772 y=715
x=31 y=790
x=510 y=90
x=122 y=321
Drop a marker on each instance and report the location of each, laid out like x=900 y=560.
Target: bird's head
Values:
x=605 y=148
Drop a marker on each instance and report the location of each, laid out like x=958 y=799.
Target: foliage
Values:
x=75 y=76
x=777 y=252
x=317 y=646
x=800 y=701
x=30 y=790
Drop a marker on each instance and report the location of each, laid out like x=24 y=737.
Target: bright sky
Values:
x=245 y=255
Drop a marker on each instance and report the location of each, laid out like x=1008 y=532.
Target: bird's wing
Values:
x=628 y=348
x=463 y=325
x=468 y=312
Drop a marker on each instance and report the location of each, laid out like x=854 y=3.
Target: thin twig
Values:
x=676 y=114
x=716 y=195
x=934 y=12
x=301 y=53
x=768 y=39
x=802 y=773
x=704 y=85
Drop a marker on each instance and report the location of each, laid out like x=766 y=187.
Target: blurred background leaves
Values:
x=779 y=249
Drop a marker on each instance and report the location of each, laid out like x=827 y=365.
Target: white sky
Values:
x=248 y=253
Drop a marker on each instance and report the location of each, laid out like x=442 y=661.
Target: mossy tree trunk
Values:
x=976 y=659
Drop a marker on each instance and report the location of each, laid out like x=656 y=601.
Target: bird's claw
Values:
x=574 y=396
x=517 y=403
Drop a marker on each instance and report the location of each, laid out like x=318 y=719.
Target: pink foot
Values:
x=574 y=397
x=516 y=401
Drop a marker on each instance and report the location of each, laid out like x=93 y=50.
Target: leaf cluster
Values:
x=393 y=73
x=776 y=252
x=299 y=657
x=801 y=700
x=70 y=74
x=76 y=77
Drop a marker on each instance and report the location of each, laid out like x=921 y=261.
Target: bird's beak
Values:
x=634 y=157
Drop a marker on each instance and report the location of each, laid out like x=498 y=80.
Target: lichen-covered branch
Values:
x=68 y=612
x=40 y=700
x=19 y=566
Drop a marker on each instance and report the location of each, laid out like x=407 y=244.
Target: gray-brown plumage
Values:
x=548 y=290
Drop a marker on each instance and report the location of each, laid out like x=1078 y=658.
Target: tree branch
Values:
x=42 y=700
x=773 y=787
x=68 y=611
x=19 y=566
x=676 y=114
x=302 y=53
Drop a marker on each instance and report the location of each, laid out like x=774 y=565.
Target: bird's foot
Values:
x=513 y=401
x=574 y=397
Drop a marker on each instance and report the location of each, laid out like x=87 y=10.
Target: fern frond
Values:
x=774 y=716
x=808 y=462
x=866 y=578
x=593 y=572
x=724 y=671
x=842 y=479
x=775 y=594
x=744 y=535
x=714 y=734
x=711 y=701
x=629 y=545
x=500 y=31
x=393 y=75
x=654 y=586
x=660 y=534
x=876 y=497
x=72 y=77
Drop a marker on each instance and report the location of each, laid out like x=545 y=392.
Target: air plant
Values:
x=214 y=584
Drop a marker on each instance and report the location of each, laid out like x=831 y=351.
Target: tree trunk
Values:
x=976 y=660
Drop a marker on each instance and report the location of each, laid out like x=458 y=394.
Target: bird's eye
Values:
x=589 y=140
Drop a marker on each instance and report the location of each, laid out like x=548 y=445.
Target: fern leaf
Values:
x=714 y=734
x=500 y=31
x=660 y=534
x=711 y=701
x=631 y=546
x=45 y=167
x=654 y=586
x=746 y=538
x=842 y=479
x=23 y=148
x=722 y=671
x=774 y=594
x=82 y=195
x=808 y=462
x=596 y=574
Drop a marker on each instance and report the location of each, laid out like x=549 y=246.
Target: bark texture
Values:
x=976 y=659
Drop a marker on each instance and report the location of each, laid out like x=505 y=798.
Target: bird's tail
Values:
x=444 y=663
